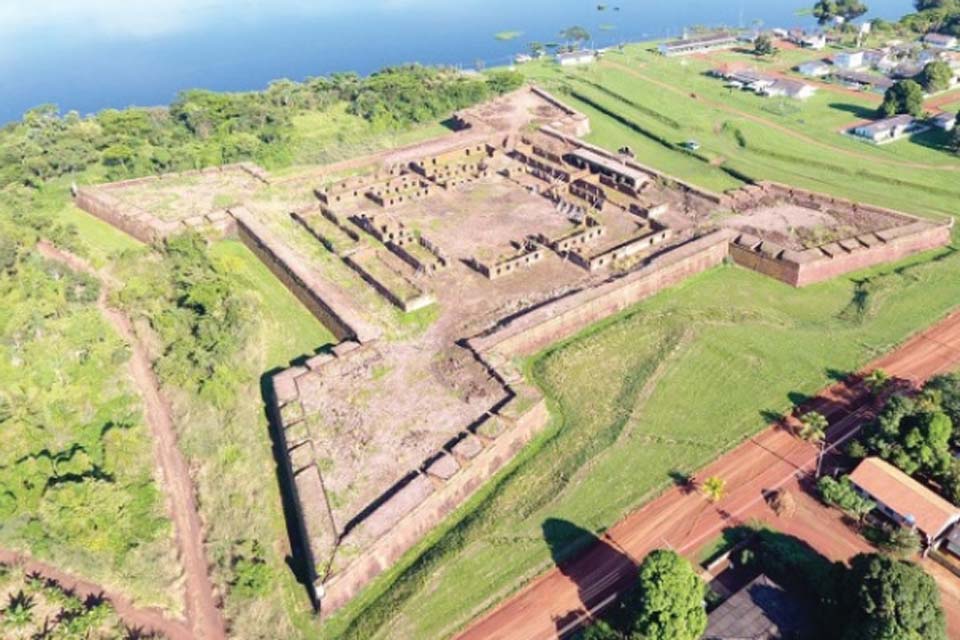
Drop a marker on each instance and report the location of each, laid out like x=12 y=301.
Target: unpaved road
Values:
x=203 y=613
x=560 y=600
x=145 y=619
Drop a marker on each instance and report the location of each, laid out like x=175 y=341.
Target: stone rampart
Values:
x=331 y=306
x=566 y=316
x=431 y=495
x=678 y=183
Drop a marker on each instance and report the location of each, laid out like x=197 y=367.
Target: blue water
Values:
x=93 y=54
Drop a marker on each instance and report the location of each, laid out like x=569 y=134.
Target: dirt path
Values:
x=144 y=618
x=560 y=600
x=203 y=612
x=779 y=127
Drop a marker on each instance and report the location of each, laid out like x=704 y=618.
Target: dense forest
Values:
x=204 y=128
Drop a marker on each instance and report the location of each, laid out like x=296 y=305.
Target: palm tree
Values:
x=19 y=611
x=814 y=430
x=714 y=488
x=876 y=380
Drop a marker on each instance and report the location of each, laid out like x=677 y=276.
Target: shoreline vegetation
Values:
x=189 y=295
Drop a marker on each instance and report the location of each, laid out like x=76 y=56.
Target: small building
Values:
x=790 y=89
x=905 y=70
x=616 y=170
x=940 y=41
x=698 y=44
x=879 y=59
x=762 y=610
x=574 y=58
x=863 y=81
x=751 y=80
x=816 y=40
x=904 y=500
x=945 y=121
x=849 y=60
x=814 y=68
x=522 y=58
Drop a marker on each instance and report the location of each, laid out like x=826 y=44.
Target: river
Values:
x=88 y=55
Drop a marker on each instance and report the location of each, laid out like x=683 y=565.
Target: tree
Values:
x=763 y=46
x=936 y=76
x=671 y=599
x=575 y=34
x=948 y=387
x=900 y=542
x=714 y=488
x=906 y=96
x=536 y=48
x=827 y=10
x=599 y=630
x=501 y=82
x=842 y=495
x=876 y=380
x=888 y=598
x=814 y=429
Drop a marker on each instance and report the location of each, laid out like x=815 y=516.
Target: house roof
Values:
x=946 y=116
x=904 y=495
x=903 y=120
x=762 y=610
x=576 y=55
x=864 y=78
x=706 y=39
x=789 y=87
x=939 y=38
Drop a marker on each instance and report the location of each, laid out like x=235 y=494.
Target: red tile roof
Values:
x=904 y=495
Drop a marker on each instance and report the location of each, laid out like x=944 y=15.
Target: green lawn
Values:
x=290 y=329
x=100 y=239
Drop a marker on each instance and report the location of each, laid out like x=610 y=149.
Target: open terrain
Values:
x=654 y=392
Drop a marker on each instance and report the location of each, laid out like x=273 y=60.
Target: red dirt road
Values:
x=560 y=600
x=203 y=612
x=145 y=619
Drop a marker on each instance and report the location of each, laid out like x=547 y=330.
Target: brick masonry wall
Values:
x=330 y=306
x=895 y=249
x=382 y=554
x=566 y=316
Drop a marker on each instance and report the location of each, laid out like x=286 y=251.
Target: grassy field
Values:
x=692 y=372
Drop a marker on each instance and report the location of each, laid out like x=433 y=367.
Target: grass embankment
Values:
x=724 y=349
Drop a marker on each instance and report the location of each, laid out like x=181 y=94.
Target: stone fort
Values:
x=505 y=236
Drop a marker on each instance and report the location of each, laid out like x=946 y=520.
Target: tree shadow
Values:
x=864 y=113
x=936 y=139
x=837 y=375
x=683 y=480
x=586 y=559
x=772 y=417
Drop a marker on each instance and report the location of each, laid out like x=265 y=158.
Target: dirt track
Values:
x=144 y=619
x=560 y=600
x=203 y=612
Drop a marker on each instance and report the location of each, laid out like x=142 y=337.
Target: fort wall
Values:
x=328 y=304
x=437 y=498
x=566 y=316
